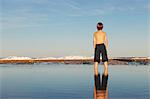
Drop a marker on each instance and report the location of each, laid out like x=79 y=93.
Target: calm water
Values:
x=59 y=81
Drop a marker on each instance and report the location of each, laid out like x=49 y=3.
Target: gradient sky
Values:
x=41 y=28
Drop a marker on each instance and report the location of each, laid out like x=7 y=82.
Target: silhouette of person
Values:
x=100 y=45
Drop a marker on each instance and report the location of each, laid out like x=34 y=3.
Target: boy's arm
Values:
x=106 y=41
x=94 y=41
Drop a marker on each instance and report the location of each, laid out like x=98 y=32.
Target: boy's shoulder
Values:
x=101 y=32
x=95 y=32
x=104 y=32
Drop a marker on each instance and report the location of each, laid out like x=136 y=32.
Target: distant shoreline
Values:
x=115 y=61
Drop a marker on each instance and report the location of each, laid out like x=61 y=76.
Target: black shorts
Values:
x=100 y=48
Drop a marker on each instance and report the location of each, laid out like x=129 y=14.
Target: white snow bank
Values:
x=45 y=58
x=65 y=58
x=16 y=58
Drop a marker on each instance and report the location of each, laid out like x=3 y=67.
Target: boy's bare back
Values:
x=100 y=37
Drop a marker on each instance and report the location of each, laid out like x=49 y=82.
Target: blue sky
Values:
x=41 y=28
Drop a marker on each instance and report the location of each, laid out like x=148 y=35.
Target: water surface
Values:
x=60 y=81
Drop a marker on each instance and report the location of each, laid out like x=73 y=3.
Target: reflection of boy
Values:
x=98 y=84
x=100 y=88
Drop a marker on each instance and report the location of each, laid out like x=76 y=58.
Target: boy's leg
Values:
x=96 y=60
x=105 y=60
x=96 y=68
x=105 y=68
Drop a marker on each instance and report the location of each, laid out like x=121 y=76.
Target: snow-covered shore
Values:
x=45 y=58
x=63 y=58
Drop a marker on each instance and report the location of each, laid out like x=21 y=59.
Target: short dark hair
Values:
x=99 y=25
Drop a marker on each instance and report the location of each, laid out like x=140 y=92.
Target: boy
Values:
x=100 y=43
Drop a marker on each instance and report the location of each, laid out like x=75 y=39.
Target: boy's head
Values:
x=99 y=26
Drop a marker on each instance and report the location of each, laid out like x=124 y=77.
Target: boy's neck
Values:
x=100 y=30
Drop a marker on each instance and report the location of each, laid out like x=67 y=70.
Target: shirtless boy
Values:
x=100 y=43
